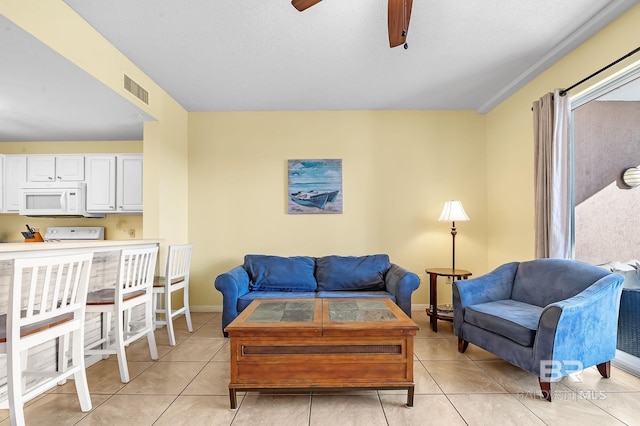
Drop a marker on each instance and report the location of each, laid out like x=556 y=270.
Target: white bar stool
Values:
x=133 y=289
x=47 y=301
x=176 y=277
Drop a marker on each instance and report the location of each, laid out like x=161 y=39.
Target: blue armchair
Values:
x=551 y=317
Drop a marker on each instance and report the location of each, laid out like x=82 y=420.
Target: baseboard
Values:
x=627 y=362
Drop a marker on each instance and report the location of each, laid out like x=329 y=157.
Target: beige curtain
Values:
x=552 y=176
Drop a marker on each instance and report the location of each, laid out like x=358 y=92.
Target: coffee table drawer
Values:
x=309 y=360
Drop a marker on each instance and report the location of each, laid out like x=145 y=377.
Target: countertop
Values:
x=9 y=249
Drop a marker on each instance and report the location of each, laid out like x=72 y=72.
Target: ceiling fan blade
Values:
x=304 y=4
x=399 y=16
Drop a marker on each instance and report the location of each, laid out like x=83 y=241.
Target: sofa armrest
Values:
x=495 y=285
x=581 y=331
x=232 y=285
x=401 y=283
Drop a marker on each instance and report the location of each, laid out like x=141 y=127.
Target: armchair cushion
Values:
x=336 y=273
x=514 y=320
x=275 y=273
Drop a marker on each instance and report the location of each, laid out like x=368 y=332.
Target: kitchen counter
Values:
x=106 y=257
x=16 y=250
x=104 y=268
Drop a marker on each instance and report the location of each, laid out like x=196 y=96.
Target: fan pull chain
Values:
x=404 y=22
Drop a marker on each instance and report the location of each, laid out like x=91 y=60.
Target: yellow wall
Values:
x=116 y=227
x=398 y=170
x=510 y=138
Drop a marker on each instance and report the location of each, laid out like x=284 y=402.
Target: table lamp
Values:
x=453 y=212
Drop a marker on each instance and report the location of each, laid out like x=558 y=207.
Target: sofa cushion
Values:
x=514 y=320
x=245 y=299
x=340 y=273
x=275 y=273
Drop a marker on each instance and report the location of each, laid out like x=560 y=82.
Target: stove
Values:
x=74 y=233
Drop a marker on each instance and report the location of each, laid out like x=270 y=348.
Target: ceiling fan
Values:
x=398 y=18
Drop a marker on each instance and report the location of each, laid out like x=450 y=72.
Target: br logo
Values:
x=554 y=370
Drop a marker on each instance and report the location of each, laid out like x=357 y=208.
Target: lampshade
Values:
x=453 y=212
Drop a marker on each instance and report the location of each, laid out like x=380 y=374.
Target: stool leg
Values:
x=80 y=376
x=187 y=310
x=14 y=385
x=63 y=348
x=168 y=314
x=151 y=337
x=120 y=349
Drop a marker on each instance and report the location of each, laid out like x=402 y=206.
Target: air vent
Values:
x=135 y=89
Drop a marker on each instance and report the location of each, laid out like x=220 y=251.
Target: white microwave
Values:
x=54 y=199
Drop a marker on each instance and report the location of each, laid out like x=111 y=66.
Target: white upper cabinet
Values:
x=129 y=182
x=101 y=183
x=70 y=168
x=41 y=168
x=15 y=174
x=114 y=183
x=55 y=168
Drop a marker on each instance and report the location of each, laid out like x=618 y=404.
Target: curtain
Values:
x=552 y=159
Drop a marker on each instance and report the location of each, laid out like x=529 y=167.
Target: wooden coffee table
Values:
x=308 y=344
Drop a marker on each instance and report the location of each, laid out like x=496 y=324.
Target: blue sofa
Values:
x=269 y=277
x=551 y=317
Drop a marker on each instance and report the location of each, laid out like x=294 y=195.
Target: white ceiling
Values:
x=263 y=55
x=44 y=97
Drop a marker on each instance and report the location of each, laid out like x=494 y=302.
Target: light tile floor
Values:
x=188 y=386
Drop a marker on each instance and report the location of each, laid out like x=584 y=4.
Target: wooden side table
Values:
x=434 y=273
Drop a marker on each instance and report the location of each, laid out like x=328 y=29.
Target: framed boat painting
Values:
x=315 y=186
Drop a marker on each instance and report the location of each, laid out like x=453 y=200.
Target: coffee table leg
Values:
x=410 y=396
x=232 y=398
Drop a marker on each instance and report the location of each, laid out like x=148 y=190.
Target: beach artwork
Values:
x=315 y=186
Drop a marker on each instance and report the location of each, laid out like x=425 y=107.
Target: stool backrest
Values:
x=178 y=262
x=136 y=272
x=47 y=290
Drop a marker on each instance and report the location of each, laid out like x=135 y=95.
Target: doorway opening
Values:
x=605 y=128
